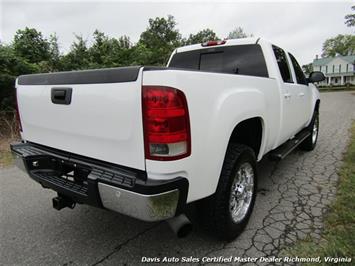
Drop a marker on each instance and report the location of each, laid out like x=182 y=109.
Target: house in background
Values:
x=338 y=70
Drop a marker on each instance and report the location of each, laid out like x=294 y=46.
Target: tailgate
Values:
x=101 y=119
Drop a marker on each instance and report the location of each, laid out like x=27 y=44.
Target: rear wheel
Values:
x=310 y=142
x=227 y=212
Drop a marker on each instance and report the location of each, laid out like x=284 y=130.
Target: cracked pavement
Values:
x=293 y=196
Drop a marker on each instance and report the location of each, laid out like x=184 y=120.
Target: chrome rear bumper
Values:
x=106 y=186
x=154 y=207
x=18 y=161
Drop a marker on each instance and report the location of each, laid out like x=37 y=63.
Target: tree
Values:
x=122 y=51
x=201 y=37
x=341 y=44
x=161 y=38
x=109 y=52
x=11 y=66
x=238 y=33
x=140 y=55
x=100 y=53
x=31 y=45
x=31 y=52
x=350 y=19
x=53 y=62
x=78 y=57
x=124 y=42
x=54 y=53
x=307 y=69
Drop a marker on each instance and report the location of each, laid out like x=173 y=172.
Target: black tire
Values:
x=215 y=211
x=311 y=141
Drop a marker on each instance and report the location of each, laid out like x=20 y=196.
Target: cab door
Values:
x=303 y=97
x=290 y=111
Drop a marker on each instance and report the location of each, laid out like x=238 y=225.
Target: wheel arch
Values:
x=239 y=134
x=250 y=132
x=316 y=107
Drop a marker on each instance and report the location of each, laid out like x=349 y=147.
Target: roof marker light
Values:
x=213 y=43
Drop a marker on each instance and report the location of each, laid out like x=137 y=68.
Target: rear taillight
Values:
x=166 y=123
x=213 y=43
x=18 y=113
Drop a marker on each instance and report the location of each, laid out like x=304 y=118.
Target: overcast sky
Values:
x=300 y=27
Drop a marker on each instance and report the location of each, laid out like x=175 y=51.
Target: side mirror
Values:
x=316 y=76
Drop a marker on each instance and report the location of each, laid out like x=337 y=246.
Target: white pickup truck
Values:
x=147 y=141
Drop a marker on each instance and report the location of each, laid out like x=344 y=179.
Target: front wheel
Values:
x=227 y=212
x=310 y=142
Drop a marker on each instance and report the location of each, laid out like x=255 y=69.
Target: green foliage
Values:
x=30 y=44
x=161 y=38
x=201 y=37
x=307 y=69
x=238 y=33
x=11 y=66
x=78 y=57
x=350 y=19
x=54 y=54
x=124 y=42
x=339 y=45
x=104 y=52
x=31 y=52
x=141 y=55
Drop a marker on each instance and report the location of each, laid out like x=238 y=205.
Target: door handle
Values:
x=61 y=95
x=301 y=94
x=287 y=95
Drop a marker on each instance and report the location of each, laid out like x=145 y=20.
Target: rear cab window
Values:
x=247 y=59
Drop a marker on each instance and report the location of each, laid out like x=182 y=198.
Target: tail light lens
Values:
x=166 y=123
x=18 y=113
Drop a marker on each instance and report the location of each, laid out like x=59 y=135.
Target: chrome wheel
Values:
x=241 y=192
x=315 y=129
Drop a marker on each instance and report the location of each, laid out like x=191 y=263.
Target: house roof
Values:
x=326 y=60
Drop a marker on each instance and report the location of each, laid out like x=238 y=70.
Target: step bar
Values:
x=282 y=151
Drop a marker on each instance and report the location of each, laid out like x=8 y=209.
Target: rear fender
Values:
x=232 y=110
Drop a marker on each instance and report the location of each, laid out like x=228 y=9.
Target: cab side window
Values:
x=283 y=64
x=301 y=79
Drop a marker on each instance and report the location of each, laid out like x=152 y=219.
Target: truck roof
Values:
x=229 y=42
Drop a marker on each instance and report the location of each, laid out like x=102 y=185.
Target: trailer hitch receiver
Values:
x=61 y=202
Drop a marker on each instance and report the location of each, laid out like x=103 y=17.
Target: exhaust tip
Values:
x=180 y=225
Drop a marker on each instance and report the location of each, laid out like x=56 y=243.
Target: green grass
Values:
x=5 y=158
x=338 y=238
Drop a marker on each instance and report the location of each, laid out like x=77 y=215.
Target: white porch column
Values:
x=342 y=80
x=329 y=79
